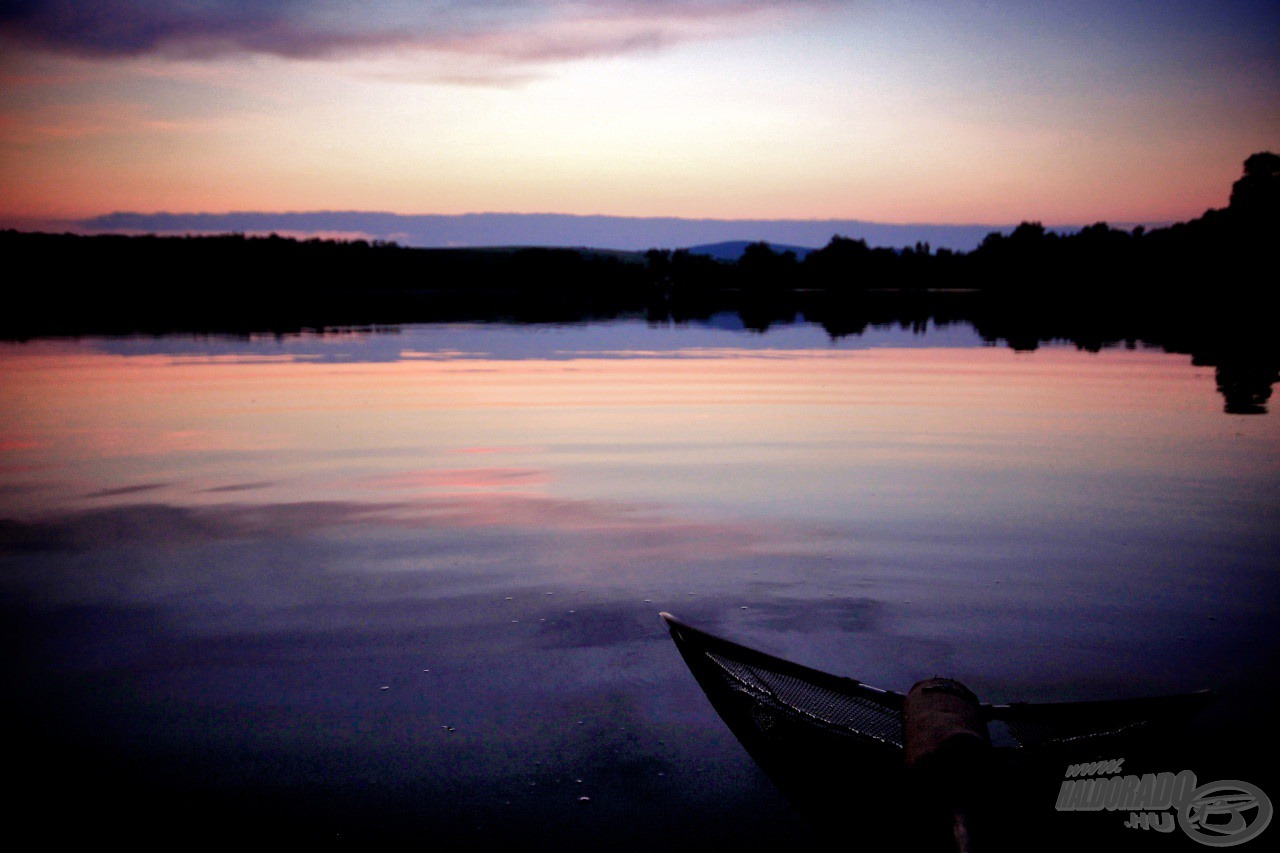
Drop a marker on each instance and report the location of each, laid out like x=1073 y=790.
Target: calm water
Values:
x=407 y=582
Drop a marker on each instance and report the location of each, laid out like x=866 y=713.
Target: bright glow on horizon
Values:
x=917 y=112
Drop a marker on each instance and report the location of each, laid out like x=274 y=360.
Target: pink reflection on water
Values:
x=9 y=445
x=725 y=427
x=462 y=478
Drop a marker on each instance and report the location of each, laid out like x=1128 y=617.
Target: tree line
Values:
x=1222 y=248
x=233 y=281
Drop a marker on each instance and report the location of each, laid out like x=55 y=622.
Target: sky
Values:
x=896 y=112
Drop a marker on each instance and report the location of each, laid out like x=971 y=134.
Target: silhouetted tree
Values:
x=658 y=262
x=841 y=264
x=1257 y=194
x=761 y=268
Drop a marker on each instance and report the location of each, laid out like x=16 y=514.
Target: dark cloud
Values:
x=519 y=30
x=135 y=27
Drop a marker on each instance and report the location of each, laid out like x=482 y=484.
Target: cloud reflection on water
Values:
x=600 y=533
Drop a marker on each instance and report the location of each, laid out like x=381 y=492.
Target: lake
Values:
x=404 y=583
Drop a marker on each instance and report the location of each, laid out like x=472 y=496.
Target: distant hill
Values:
x=732 y=250
x=543 y=229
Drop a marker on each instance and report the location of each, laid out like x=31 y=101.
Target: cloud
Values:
x=518 y=31
x=497 y=229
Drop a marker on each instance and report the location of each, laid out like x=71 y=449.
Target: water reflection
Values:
x=406 y=584
x=1245 y=363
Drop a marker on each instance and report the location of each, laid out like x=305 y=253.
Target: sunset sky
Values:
x=946 y=112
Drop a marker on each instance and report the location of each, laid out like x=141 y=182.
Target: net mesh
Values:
x=845 y=713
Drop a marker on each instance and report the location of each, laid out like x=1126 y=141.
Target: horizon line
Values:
x=491 y=228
